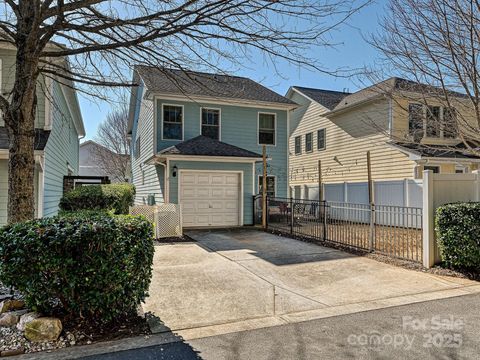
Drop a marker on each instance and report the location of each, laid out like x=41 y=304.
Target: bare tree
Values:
x=103 y=38
x=113 y=156
x=436 y=43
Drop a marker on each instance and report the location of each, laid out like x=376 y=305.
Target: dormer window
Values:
x=431 y=122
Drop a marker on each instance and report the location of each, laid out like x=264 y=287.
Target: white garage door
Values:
x=210 y=198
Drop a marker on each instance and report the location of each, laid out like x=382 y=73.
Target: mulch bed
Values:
x=75 y=331
x=176 y=239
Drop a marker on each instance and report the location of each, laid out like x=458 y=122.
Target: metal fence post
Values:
x=291 y=215
x=324 y=220
x=372 y=227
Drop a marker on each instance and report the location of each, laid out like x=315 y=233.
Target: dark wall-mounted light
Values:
x=174 y=172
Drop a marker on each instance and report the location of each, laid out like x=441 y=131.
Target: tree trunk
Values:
x=20 y=118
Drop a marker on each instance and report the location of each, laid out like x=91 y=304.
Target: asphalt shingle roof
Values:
x=437 y=151
x=205 y=146
x=387 y=87
x=327 y=98
x=41 y=138
x=204 y=84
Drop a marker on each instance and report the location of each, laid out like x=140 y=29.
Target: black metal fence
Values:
x=394 y=231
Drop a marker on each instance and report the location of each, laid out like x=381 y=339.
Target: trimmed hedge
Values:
x=116 y=197
x=97 y=266
x=458 y=235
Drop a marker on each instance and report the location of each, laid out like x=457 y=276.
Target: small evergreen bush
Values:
x=116 y=197
x=458 y=235
x=98 y=266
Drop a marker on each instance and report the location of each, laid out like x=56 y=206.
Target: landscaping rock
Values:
x=8 y=319
x=43 y=329
x=8 y=305
x=26 y=318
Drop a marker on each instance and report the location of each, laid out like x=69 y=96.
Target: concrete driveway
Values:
x=234 y=280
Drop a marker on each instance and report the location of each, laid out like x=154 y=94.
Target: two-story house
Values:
x=197 y=140
x=405 y=132
x=58 y=128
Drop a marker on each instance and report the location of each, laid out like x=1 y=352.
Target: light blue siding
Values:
x=247 y=180
x=148 y=179
x=61 y=151
x=239 y=127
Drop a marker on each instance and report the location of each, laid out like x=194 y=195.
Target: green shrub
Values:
x=458 y=234
x=98 y=266
x=116 y=197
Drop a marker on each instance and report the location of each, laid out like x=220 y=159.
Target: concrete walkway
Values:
x=244 y=279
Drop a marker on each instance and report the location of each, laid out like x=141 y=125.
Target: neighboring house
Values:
x=387 y=119
x=92 y=153
x=58 y=127
x=197 y=140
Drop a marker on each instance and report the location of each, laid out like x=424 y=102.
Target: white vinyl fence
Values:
x=422 y=196
x=405 y=192
x=440 y=189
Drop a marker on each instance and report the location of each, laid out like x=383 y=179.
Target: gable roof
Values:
x=326 y=98
x=97 y=145
x=191 y=83
x=205 y=146
x=41 y=138
x=386 y=87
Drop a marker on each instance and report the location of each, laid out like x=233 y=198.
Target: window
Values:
x=450 y=129
x=172 y=122
x=308 y=142
x=434 y=169
x=415 y=121
x=270 y=185
x=321 y=139
x=298 y=145
x=433 y=121
x=211 y=123
x=137 y=148
x=266 y=129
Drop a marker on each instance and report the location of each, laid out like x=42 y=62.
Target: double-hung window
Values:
x=308 y=142
x=270 y=185
x=298 y=145
x=266 y=129
x=433 y=121
x=450 y=128
x=172 y=122
x=415 y=121
x=321 y=139
x=211 y=123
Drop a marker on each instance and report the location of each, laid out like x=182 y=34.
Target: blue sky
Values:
x=352 y=52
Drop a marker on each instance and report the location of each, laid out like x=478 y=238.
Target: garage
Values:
x=210 y=198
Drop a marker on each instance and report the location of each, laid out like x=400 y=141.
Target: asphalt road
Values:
x=440 y=329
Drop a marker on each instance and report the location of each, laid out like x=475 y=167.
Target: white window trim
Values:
x=441 y=135
x=295 y=145
x=183 y=121
x=274 y=127
x=324 y=138
x=219 y=119
x=258 y=183
x=311 y=143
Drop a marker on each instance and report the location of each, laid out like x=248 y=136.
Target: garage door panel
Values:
x=203 y=179
x=217 y=179
x=203 y=192
x=188 y=179
x=231 y=179
x=210 y=199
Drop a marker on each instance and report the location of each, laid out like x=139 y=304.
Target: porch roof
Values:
x=205 y=146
